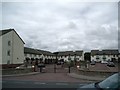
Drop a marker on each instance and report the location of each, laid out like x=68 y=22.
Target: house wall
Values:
x=82 y=56
x=0 y=49
x=5 y=48
x=93 y=58
x=18 y=49
x=108 y=57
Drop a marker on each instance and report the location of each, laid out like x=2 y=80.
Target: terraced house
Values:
x=104 y=56
x=31 y=55
x=48 y=56
x=38 y=55
x=71 y=55
x=12 y=48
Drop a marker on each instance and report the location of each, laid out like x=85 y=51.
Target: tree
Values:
x=87 y=56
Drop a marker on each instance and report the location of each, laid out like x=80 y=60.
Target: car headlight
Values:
x=33 y=66
x=78 y=66
x=17 y=67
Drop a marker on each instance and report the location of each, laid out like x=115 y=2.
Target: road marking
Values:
x=39 y=83
x=19 y=82
x=82 y=84
x=61 y=83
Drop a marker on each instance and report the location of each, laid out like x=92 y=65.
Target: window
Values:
x=9 y=43
x=8 y=53
x=8 y=62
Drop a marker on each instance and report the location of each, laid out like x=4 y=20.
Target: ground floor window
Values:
x=8 y=62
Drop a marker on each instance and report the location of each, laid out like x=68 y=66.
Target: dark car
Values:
x=58 y=63
x=92 y=63
x=110 y=64
x=111 y=83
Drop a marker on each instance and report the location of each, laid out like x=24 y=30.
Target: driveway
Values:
x=102 y=67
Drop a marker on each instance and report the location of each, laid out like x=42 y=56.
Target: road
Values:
x=60 y=80
x=48 y=77
x=39 y=84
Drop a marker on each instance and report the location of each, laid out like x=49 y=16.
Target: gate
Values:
x=54 y=68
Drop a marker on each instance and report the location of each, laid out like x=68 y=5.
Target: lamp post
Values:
x=55 y=66
x=69 y=63
x=56 y=54
x=75 y=59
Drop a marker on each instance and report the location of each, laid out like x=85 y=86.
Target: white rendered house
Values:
x=12 y=47
x=104 y=56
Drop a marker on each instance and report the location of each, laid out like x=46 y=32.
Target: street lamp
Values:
x=69 y=62
x=56 y=54
x=75 y=59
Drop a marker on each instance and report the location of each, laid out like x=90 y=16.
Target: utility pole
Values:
x=56 y=54
x=69 y=62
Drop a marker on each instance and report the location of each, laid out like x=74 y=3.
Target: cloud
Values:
x=60 y=26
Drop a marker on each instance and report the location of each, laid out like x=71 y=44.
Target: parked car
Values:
x=92 y=63
x=110 y=64
x=59 y=63
x=110 y=83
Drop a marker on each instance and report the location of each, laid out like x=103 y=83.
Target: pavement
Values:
x=73 y=75
x=24 y=74
x=78 y=76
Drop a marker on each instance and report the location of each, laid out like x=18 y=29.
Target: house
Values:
x=48 y=56
x=12 y=48
x=79 y=55
x=38 y=55
x=104 y=56
x=31 y=55
x=95 y=55
x=65 y=55
x=72 y=55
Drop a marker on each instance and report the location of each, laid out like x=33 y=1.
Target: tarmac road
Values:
x=40 y=84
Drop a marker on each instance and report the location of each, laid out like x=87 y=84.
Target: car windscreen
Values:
x=110 y=83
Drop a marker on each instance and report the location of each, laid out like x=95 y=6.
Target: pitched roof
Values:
x=61 y=53
x=108 y=52
x=79 y=52
x=95 y=52
x=31 y=51
x=66 y=53
x=45 y=52
x=105 y=52
x=3 y=32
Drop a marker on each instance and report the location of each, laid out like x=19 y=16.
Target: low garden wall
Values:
x=16 y=71
x=95 y=73
x=7 y=66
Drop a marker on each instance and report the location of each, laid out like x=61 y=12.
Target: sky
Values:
x=63 y=26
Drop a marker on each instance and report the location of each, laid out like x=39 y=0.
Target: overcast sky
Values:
x=59 y=26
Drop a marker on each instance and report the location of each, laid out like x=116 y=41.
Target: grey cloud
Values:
x=63 y=26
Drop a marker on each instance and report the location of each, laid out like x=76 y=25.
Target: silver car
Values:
x=110 y=83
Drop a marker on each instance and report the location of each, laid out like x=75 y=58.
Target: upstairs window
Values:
x=9 y=43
